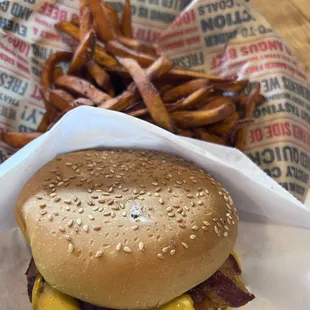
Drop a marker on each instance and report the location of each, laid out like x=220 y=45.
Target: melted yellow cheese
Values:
x=183 y=302
x=44 y=297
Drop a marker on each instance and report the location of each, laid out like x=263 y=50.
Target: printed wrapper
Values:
x=274 y=226
x=223 y=37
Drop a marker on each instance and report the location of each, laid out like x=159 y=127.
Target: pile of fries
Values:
x=109 y=69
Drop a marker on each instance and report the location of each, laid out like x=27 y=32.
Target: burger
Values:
x=125 y=229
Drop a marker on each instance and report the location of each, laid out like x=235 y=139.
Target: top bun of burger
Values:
x=126 y=229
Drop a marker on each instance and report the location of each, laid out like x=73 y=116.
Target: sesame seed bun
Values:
x=126 y=229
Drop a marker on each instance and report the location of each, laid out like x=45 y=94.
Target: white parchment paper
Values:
x=274 y=238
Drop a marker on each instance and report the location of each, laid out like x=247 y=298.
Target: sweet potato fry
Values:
x=131 y=95
x=60 y=99
x=217 y=102
x=102 y=20
x=86 y=19
x=114 y=19
x=185 y=89
x=192 y=119
x=118 y=49
x=57 y=72
x=100 y=76
x=103 y=58
x=150 y=96
x=69 y=29
x=126 y=24
x=185 y=133
x=44 y=123
x=226 y=126
x=243 y=99
x=203 y=134
x=195 y=100
x=84 y=53
x=48 y=67
x=47 y=78
x=138 y=46
x=17 y=140
x=249 y=109
x=186 y=75
x=234 y=86
x=83 y=88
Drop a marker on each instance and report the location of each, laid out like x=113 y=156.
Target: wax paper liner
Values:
x=222 y=37
x=274 y=230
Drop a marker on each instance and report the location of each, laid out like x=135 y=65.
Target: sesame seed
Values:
x=100 y=209
x=51 y=185
x=96 y=227
x=195 y=227
x=85 y=228
x=182 y=225
x=228 y=221
x=127 y=249
x=185 y=245
x=50 y=217
x=141 y=246
x=79 y=222
x=70 y=248
x=68 y=164
x=81 y=210
x=60 y=183
x=75 y=199
x=225 y=234
x=90 y=190
x=165 y=249
x=91 y=217
x=67 y=201
x=200 y=202
x=161 y=201
x=70 y=223
x=169 y=189
x=78 y=203
x=135 y=227
x=186 y=208
x=118 y=247
x=94 y=196
x=233 y=222
x=160 y=256
x=62 y=229
x=68 y=237
x=192 y=237
x=108 y=213
x=120 y=196
x=171 y=214
x=216 y=230
x=95 y=208
x=111 y=189
x=156 y=194
x=205 y=228
x=169 y=209
x=42 y=212
x=155 y=183
x=57 y=199
x=39 y=197
x=55 y=212
x=52 y=195
x=124 y=214
x=110 y=202
x=42 y=205
x=226 y=227
x=98 y=254
x=101 y=200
